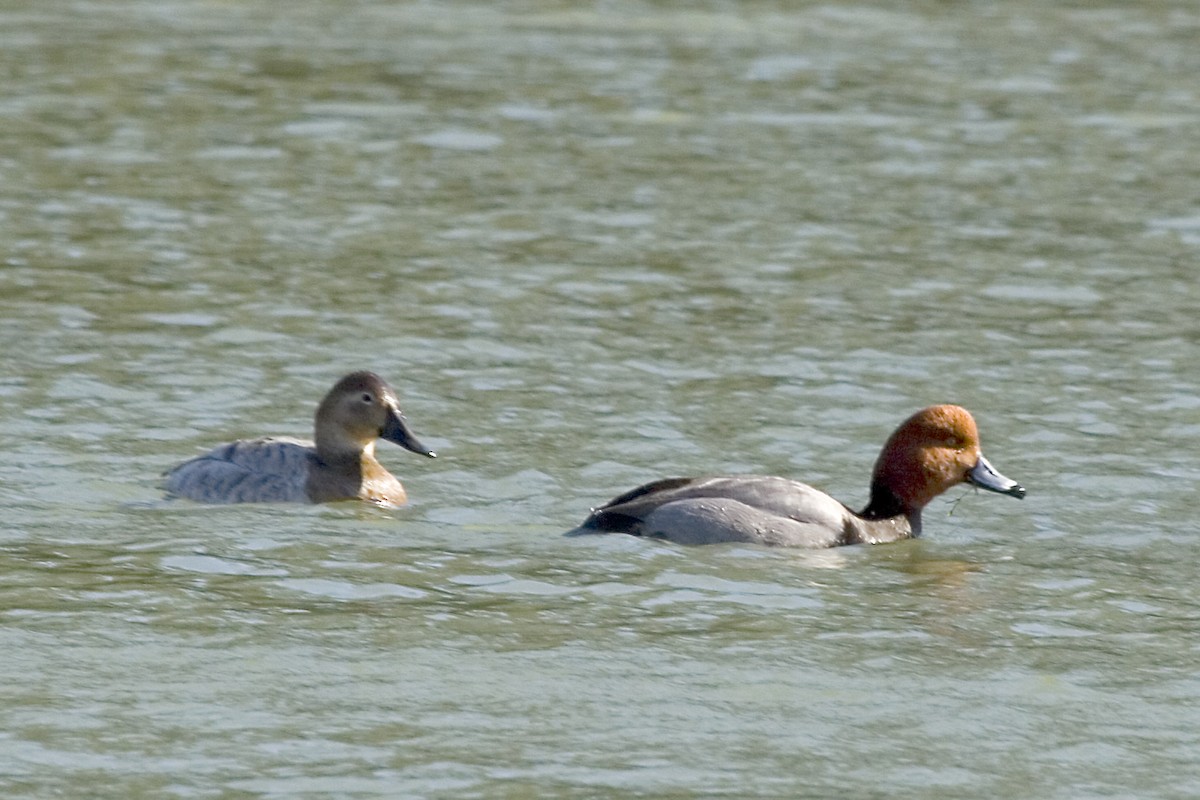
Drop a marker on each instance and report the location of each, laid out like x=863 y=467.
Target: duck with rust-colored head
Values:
x=931 y=451
x=339 y=464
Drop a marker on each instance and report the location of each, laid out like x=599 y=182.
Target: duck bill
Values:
x=985 y=476
x=396 y=430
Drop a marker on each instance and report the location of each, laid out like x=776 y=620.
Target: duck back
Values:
x=745 y=508
x=269 y=470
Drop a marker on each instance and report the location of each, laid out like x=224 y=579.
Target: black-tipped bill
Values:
x=396 y=430
x=985 y=476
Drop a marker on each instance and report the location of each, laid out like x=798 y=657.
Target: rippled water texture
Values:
x=592 y=245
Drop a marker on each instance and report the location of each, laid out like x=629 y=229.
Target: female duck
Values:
x=341 y=465
x=931 y=451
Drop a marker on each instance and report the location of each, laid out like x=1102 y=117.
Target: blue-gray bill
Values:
x=985 y=476
x=396 y=430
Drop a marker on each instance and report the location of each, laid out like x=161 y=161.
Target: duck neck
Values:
x=885 y=506
x=341 y=454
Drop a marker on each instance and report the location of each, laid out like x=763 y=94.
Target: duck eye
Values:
x=366 y=398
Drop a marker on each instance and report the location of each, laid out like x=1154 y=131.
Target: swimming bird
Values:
x=933 y=450
x=339 y=464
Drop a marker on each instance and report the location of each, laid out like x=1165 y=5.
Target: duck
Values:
x=933 y=450
x=338 y=464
